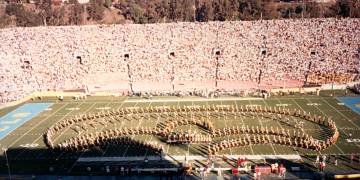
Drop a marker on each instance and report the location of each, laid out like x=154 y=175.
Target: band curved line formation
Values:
x=254 y=135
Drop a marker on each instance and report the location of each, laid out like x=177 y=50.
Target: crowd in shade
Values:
x=58 y=58
x=357 y=88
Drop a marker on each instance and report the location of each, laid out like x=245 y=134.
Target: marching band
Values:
x=189 y=115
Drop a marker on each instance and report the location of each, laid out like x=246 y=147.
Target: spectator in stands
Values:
x=269 y=52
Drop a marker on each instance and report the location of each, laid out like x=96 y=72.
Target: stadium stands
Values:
x=357 y=88
x=59 y=58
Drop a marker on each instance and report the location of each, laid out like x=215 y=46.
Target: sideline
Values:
x=192 y=99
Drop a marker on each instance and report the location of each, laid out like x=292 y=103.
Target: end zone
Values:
x=351 y=102
x=21 y=115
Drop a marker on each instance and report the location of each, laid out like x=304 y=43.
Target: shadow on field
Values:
x=40 y=161
x=63 y=163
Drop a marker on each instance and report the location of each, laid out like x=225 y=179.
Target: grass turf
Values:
x=30 y=134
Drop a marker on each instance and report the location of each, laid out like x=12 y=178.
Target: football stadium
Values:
x=261 y=99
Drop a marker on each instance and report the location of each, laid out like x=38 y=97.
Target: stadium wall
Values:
x=81 y=93
x=314 y=89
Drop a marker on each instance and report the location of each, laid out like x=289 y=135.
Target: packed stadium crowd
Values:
x=59 y=58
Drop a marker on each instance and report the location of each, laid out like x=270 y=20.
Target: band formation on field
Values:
x=200 y=116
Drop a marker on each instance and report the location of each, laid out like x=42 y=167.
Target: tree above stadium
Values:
x=71 y=12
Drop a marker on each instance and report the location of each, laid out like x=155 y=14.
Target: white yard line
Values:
x=168 y=145
x=82 y=153
x=40 y=135
x=291 y=117
x=69 y=128
x=261 y=124
x=343 y=115
x=228 y=137
x=122 y=103
x=242 y=120
x=150 y=139
x=127 y=147
x=208 y=117
x=107 y=146
x=175 y=100
x=136 y=127
x=33 y=127
x=191 y=115
x=63 y=117
x=101 y=130
x=70 y=169
x=319 y=125
x=62 y=132
x=342 y=129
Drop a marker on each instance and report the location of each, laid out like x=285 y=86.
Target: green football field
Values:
x=26 y=148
